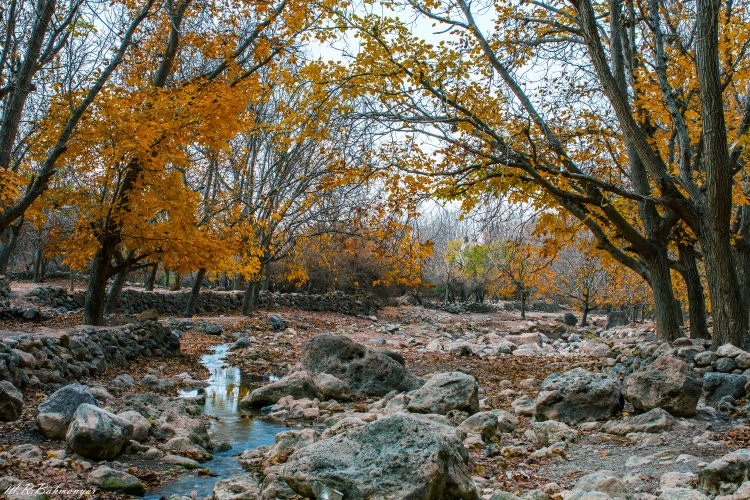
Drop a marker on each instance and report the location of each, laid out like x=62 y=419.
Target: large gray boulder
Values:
x=653 y=421
x=398 y=457
x=718 y=385
x=56 y=412
x=11 y=402
x=444 y=392
x=108 y=479
x=578 y=395
x=602 y=484
x=96 y=433
x=239 y=487
x=298 y=385
x=667 y=383
x=732 y=468
x=617 y=318
x=368 y=372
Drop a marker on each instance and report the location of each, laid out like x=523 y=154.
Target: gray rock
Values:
x=604 y=482
x=570 y=319
x=276 y=323
x=729 y=351
x=445 y=392
x=96 y=433
x=286 y=443
x=731 y=468
x=27 y=452
x=705 y=358
x=11 y=402
x=617 y=318
x=141 y=425
x=109 y=479
x=578 y=395
x=681 y=494
x=718 y=385
x=725 y=365
x=332 y=387
x=184 y=462
x=239 y=487
x=298 y=385
x=148 y=315
x=551 y=432
x=485 y=424
x=399 y=456
x=668 y=383
x=524 y=406
x=183 y=446
x=56 y=412
x=656 y=420
x=367 y=372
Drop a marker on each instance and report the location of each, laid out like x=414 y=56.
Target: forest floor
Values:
x=511 y=465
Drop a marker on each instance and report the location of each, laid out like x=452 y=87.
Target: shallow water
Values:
x=241 y=429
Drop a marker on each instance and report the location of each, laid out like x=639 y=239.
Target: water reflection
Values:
x=241 y=429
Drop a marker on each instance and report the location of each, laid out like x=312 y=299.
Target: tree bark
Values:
x=585 y=312
x=666 y=308
x=250 y=298
x=688 y=269
x=730 y=312
x=37 y=270
x=113 y=297
x=93 y=309
x=193 y=300
x=177 y=282
x=523 y=304
x=14 y=231
x=151 y=277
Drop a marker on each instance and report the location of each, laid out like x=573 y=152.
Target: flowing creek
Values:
x=227 y=386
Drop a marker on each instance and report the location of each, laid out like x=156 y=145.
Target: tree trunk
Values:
x=38 y=260
x=523 y=304
x=730 y=312
x=14 y=231
x=688 y=269
x=585 y=313
x=666 y=308
x=193 y=300
x=250 y=299
x=151 y=277
x=93 y=309
x=177 y=282
x=71 y=280
x=113 y=297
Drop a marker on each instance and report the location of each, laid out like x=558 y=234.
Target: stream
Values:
x=227 y=386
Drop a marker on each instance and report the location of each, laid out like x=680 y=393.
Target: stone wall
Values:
x=28 y=360
x=133 y=301
x=4 y=287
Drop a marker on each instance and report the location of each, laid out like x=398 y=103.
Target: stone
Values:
x=667 y=383
x=570 y=319
x=32 y=314
x=524 y=406
x=653 y=421
x=56 y=412
x=617 y=318
x=141 y=425
x=11 y=402
x=183 y=446
x=184 y=462
x=604 y=482
x=681 y=494
x=332 y=387
x=398 y=456
x=551 y=432
x=239 y=487
x=743 y=361
x=286 y=443
x=367 y=372
x=96 y=433
x=109 y=479
x=148 y=315
x=729 y=351
x=299 y=385
x=677 y=480
x=529 y=339
x=705 y=358
x=485 y=424
x=718 y=385
x=578 y=395
x=444 y=392
x=28 y=452
x=276 y=323
x=731 y=468
x=725 y=365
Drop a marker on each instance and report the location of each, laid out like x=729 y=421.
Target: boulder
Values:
x=183 y=446
x=332 y=387
x=276 y=323
x=718 y=385
x=29 y=452
x=570 y=319
x=551 y=432
x=444 y=392
x=11 y=402
x=603 y=482
x=486 y=424
x=286 y=443
x=731 y=468
x=141 y=425
x=297 y=384
x=367 y=372
x=617 y=318
x=56 y=412
x=239 y=487
x=667 y=383
x=729 y=351
x=656 y=420
x=681 y=494
x=148 y=315
x=578 y=395
x=524 y=406
x=96 y=433
x=398 y=456
x=109 y=479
